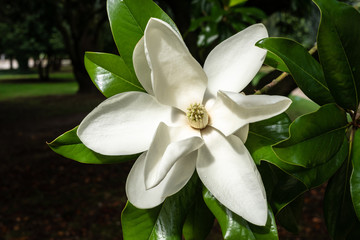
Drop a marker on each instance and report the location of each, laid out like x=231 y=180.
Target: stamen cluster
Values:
x=197 y=116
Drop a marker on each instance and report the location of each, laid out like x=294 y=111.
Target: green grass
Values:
x=33 y=76
x=11 y=87
x=14 y=90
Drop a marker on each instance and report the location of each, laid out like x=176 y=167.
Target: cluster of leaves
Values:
x=217 y=20
x=292 y=156
x=323 y=145
x=28 y=35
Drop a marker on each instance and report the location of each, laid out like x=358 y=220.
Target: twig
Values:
x=281 y=77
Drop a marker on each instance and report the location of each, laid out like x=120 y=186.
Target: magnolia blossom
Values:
x=190 y=118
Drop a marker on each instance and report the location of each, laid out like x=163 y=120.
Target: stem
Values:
x=267 y=87
x=281 y=77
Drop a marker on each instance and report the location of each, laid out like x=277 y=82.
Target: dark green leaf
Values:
x=137 y=223
x=110 y=74
x=163 y=222
x=281 y=188
x=262 y=136
x=199 y=221
x=313 y=177
x=289 y=217
x=314 y=138
x=355 y=176
x=339 y=51
x=70 y=146
x=300 y=106
x=128 y=19
x=306 y=71
x=275 y=62
x=339 y=214
x=234 y=227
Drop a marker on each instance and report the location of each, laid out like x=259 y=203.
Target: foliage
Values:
x=321 y=144
x=29 y=35
x=216 y=20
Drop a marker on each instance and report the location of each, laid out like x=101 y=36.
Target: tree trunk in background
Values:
x=80 y=23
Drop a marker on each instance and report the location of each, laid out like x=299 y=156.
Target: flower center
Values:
x=197 y=116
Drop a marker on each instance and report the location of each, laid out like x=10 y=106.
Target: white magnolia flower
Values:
x=191 y=118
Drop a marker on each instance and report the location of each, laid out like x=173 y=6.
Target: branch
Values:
x=281 y=77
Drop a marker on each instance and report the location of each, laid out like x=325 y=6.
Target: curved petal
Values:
x=232 y=64
x=178 y=79
x=168 y=146
x=125 y=123
x=226 y=168
x=174 y=181
x=242 y=133
x=233 y=110
x=141 y=66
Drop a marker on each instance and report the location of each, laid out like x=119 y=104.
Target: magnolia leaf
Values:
x=110 y=74
x=339 y=50
x=313 y=177
x=70 y=146
x=274 y=61
x=281 y=188
x=234 y=227
x=340 y=218
x=163 y=222
x=300 y=106
x=199 y=220
x=128 y=20
x=262 y=135
x=355 y=176
x=289 y=217
x=306 y=71
x=312 y=132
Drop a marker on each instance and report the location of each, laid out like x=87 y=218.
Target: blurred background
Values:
x=45 y=91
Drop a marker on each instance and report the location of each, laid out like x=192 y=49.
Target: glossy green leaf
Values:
x=281 y=188
x=300 y=106
x=262 y=135
x=274 y=61
x=355 y=176
x=340 y=218
x=199 y=220
x=110 y=74
x=313 y=177
x=339 y=50
x=163 y=222
x=234 y=227
x=314 y=138
x=306 y=71
x=70 y=146
x=128 y=19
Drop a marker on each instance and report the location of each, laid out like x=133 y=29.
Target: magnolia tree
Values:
x=205 y=150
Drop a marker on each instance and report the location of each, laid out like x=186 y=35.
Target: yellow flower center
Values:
x=197 y=116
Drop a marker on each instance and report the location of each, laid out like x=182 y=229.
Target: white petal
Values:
x=178 y=79
x=125 y=123
x=168 y=146
x=226 y=168
x=243 y=133
x=232 y=64
x=142 y=70
x=174 y=181
x=233 y=110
